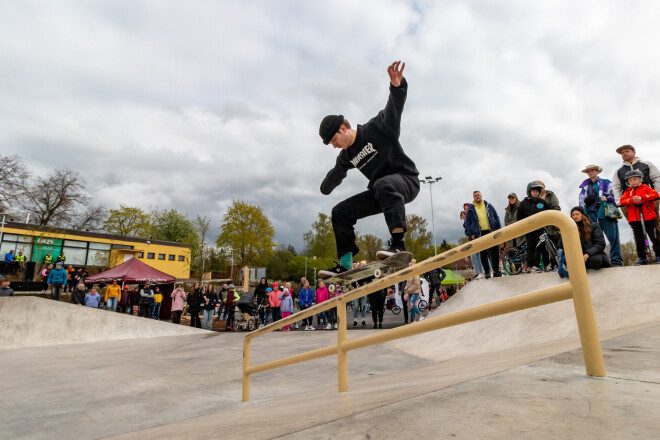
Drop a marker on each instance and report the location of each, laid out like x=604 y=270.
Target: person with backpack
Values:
x=595 y=194
x=639 y=198
x=592 y=240
x=533 y=204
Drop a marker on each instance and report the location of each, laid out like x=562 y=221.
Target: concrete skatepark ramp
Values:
x=513 y=376
x=36 y=322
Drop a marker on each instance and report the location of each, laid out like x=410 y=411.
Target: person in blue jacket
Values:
x=57 y=280
x=306 y=299
x=482 y=219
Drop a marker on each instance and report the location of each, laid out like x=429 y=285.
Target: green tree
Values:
x=246 y=229
x=418 y=239
x=320 y=240
x=369 y=244
x=171 y=225
x=278 y=266
x=128 y=221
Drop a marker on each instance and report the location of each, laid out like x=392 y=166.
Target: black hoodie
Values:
x=376 y=151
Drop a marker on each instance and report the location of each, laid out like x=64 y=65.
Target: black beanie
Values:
x=578 y=208
x=329 y=126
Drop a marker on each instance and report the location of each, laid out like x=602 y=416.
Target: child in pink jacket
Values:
x=322 y=295
x=275 y=302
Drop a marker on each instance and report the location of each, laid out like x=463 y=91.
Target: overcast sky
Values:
x=189 y=105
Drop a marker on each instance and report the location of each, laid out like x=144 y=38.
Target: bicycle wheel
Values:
x=552 y=252
x=423 y=306
x=396 y=310
x=513 y=261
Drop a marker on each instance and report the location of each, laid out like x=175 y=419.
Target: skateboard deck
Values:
x=376 y=269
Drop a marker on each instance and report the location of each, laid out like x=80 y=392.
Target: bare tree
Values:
x=13 y=173
x=54 y=199
x=89 y=217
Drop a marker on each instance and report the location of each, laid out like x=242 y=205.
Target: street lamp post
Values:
x=431 y=180
x=305 y=267
x=203 y=261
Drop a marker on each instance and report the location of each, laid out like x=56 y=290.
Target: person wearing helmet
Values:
x=373 y=149
x=533 y=204
x=651 y=175
x=639 y=199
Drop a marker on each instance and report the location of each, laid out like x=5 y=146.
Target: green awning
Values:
x=452 y=278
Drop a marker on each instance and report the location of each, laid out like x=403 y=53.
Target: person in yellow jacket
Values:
x=112 y=296
x=158 y=299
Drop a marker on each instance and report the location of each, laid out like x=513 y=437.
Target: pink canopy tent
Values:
x=131 y=271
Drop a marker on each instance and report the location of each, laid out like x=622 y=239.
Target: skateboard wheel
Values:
x=378 y=273
x=331 y=288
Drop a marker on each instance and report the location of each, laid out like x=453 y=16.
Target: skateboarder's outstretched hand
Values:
x=396 y=74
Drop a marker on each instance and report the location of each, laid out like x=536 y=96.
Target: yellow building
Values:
x=90 y=249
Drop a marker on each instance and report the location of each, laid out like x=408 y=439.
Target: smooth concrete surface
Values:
x=36 y=322
x=190 y=386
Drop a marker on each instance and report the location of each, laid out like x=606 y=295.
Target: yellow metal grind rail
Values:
x=576 y=288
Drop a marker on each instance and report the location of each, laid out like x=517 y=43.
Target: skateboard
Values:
x=377 y=269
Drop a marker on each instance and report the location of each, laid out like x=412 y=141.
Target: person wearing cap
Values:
x=374 y=149
x=57 y=280
x=591 y=240
x=594 y=193
x=639 y=199
x=146 y=297
x=651 y=175
x=124 y=302
x=511 y=216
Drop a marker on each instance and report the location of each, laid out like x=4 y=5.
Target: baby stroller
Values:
x=248 y=317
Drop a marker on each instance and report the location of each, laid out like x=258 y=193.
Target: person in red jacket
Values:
x=639 y=198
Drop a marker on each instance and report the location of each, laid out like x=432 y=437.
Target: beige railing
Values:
x=576 y=288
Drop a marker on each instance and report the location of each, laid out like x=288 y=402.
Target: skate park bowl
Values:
x=512 y=375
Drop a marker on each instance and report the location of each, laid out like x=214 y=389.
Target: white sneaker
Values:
x=328 y=327
x=335 y=326
x=295 y=325
x=534 y=269
x=311 y=327
x=421 y=318
x=479 y=277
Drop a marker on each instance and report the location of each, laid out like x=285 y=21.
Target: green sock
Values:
x=346 y=261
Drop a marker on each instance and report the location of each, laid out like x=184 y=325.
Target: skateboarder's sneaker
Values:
x=394 y=248
x=333 y=271
x=640 y=262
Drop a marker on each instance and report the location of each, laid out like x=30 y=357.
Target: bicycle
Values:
x=515 y=258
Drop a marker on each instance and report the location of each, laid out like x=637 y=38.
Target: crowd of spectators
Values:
x=633 y=189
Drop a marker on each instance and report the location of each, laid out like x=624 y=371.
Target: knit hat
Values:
x=268 y=289
x=275 y=286
x=624 y=147
x=578 y=208
x=329 y=126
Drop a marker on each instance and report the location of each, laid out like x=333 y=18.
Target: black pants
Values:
x=309 y=320
x=55 y=290
x=145 y=310
x=533 y=256
x=176 y=316
x=332 y=316
x=493 y=254
x=276 y=313
x=640 y=239
x=388 y=195
x=194 y=319
x=377 y=301
x=434 y=289
x=597 y=262
x=405 y=308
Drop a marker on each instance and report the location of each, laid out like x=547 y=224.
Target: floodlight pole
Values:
x=431 y=180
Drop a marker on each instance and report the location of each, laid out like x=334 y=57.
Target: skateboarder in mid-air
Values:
x=374 y=149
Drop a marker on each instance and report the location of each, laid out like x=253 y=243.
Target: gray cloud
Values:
x=190 y=106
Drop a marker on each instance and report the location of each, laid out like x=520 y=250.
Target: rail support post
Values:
x=342 y=355
x=246 y=365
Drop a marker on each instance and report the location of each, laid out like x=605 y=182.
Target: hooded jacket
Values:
x=596 y=243
x=178 y=297
x=260 y=293
x=322 y=294
x=306 y=297
x=472 y=220
x=376 y=151
x=287 y=301
x=646 y=205
x=57 y=277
